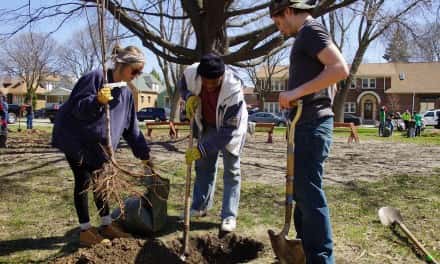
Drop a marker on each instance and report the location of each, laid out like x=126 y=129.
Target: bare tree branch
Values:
x=247 y=10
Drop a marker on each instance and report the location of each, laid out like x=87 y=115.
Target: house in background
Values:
x=250 y=97
x=15 y=91
x=398 y=86
x=147 y=89
x=163 y=100
x=57 y=95
x=278 y=83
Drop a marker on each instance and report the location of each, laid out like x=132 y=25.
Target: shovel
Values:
x=289 y=251
x=390 y=216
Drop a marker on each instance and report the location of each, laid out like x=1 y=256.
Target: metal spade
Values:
x=289 y=251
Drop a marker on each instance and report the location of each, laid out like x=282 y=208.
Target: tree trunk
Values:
x=175 y=106
x=338 y=105
x=208 y=20
x=261 y=100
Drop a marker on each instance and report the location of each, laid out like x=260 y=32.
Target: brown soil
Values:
x=370 y=160
x=207 y=249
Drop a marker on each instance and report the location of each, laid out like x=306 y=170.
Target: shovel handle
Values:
x=428 y=256
x=291 y=165
x=187 y=195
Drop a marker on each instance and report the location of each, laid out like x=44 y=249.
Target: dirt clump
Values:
x=203 y=249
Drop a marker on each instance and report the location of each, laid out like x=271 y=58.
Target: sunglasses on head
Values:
x=135 y=72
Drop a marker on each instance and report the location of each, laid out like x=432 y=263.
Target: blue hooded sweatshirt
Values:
x=80 y=128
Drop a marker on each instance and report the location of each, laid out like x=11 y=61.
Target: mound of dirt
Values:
x=206 y=249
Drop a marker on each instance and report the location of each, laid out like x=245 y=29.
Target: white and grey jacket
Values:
x=231 y=112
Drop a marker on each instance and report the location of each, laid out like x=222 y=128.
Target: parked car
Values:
x=350 y=118
x=13 y=113
x=51 y=111
x=253 y=110
x=265 y=117
x=431 y=117
x=152 y=113
x=40 y=113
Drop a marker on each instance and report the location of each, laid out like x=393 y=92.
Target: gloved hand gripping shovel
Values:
x=390 y=216
x=289 y=251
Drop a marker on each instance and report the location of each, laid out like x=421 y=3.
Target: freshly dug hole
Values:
x=205 y=249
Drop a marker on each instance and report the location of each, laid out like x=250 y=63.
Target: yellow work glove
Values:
x=104 y=95
x=191 y=105
x=192 y=154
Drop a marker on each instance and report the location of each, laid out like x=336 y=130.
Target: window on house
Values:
x=142 y=99
x=271 y=107
x=373 y=83
x=369 y=83
x=365 y=83
x=149 y=99
x=350 y=107
x=353 y=84
x=275 y=86
x=282 y=85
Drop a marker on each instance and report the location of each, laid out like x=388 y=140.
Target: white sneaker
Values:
x=193 y=213
x=229 y=224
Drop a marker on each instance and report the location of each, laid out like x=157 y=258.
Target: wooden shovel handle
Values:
x=420 y=246
x=291 y=163
x=187 y=195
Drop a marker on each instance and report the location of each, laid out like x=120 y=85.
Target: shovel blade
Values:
x=288 y=251
x=389 y=215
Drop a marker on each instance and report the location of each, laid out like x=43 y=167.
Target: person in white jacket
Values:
x=217 y=93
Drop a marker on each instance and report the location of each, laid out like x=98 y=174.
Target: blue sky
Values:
x=374 y=53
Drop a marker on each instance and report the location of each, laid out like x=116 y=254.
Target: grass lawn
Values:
x=429 y=136
x=38 y=221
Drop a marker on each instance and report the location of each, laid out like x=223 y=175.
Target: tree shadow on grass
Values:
x=67 y=244
x=33 y=168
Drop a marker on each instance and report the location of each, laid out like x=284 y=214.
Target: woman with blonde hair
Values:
x=80 y=132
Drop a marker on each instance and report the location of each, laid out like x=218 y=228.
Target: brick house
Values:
x=398 y=86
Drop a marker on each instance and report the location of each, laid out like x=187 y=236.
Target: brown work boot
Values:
x=112 y=231
x=90 y=237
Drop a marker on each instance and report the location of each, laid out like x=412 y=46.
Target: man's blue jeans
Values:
x=206 y=172
x=29 y=120
x=311 y=216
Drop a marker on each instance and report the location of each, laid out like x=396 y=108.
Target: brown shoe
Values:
x=113 y=231
x=90 y=237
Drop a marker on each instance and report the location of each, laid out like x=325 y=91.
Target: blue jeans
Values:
x=311 y=216
x=29 y=120
x=206 y=173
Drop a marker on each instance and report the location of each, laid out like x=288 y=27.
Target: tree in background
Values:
x=262 y=77
x=398 y=46
x=427 y=42
x=31 y=57
x=239 y=30
x=213 y=23
x=374 y=18
x=82 y=53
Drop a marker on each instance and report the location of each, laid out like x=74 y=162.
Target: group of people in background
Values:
x=412 y=124
x=25 y=109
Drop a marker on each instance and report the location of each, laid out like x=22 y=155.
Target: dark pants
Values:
x=311 y=216
x=82 y=175
x=418 y=129
x=406 y=123
x=381 y=127
x=29 y=120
